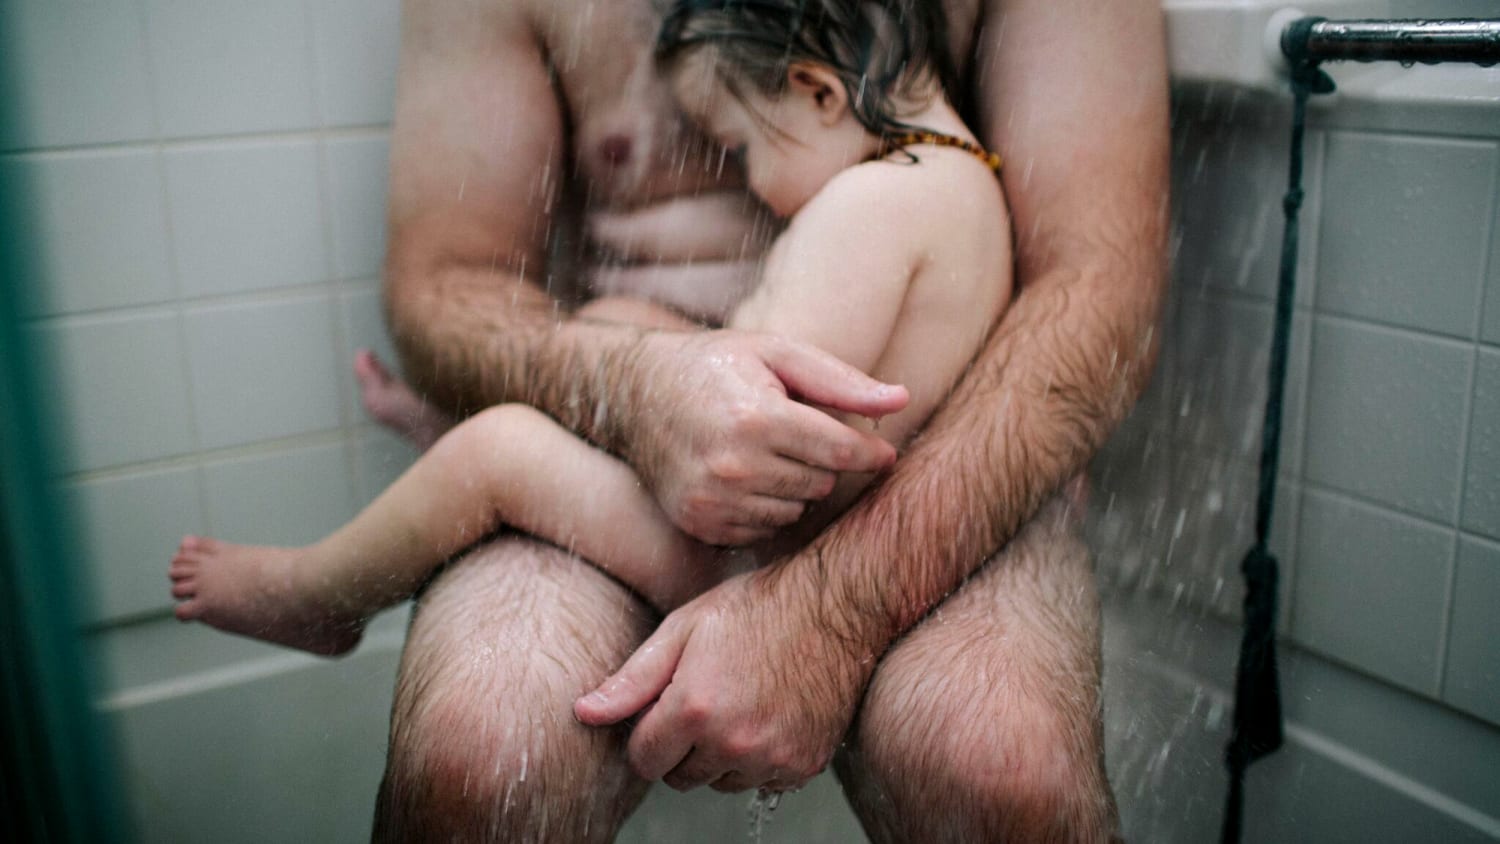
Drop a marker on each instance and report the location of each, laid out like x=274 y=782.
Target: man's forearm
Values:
x=1058 y=375
x=473 y=337
x=1090 y=214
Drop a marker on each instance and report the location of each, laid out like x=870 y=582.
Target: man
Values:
x=945 y=630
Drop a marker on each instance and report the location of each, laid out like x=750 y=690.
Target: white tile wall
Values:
x=1482 y=483
x=78 y=71
x=208 y=236
x=1387 y=267
x=357 y=186
x=221 y=67
x=1489 y=330
x=123 y=389
x=1473 y=675
x=379 y=458
x=246 y=216
x=1371 y=589
x=131 y=525
x=356 y=40
x=1387 y=521
x=98 y=227
x=263 y=370
x=1385 y=415
x=291 y=497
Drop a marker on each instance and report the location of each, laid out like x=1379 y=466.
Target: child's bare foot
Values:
x=254 y=591
x=392 y=402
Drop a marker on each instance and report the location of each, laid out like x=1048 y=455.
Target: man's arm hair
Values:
x=476 y=164
x=1076 y=99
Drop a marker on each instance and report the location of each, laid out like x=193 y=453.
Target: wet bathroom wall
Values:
x=1387 y=520
x=207 y=184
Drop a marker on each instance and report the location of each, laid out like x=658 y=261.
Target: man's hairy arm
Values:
x=1075 y=97
x=476 y=166
x=1079 y=107
x=477 y=160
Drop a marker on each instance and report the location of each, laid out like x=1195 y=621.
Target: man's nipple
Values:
x=615 y=150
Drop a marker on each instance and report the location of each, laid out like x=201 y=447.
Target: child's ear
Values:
x=822 y=86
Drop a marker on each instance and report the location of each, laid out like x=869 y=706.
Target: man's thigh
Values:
x=483 y=739
x=983 y=723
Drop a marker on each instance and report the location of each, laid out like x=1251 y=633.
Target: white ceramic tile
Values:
x=262 y=371
x=1302 y=795
x=1482 y=475
x=1472 y=679
x=122 y=390
x=131 y=526
x=1385 y=416
x=364 y=321
x=222 y=67
x=77 y=71
x=292 y=497
x=357 y=42
x=97 y=227
x=150 y=651
x=364 y=328
x=1426 y=741
x=1489 y=328
x=357 y=177
x=1405 y=229
x=379 y=458
x=289 y=751
x=1370 y=588
x=246 y=216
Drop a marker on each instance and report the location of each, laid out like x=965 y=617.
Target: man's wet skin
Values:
x=982 y=727
x=665 y=214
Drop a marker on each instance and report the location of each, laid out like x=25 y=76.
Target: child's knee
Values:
x=497 y=423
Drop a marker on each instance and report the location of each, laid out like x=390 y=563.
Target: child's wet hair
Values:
x=880 y=49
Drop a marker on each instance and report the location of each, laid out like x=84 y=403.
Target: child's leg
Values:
x=509 y=465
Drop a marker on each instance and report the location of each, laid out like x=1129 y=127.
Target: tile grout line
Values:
x=338 y=328
x=174 y=268
x=1466 y=436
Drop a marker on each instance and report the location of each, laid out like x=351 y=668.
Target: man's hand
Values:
x=742 y=688
x=721 y=426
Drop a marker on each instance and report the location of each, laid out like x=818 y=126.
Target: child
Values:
x=896 y=259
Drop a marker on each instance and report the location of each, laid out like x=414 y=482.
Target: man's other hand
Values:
x=722 y=427
x=742 y=688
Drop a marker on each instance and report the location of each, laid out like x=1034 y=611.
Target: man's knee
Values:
x=983 y=724
x=981 y=761
x=483 y=742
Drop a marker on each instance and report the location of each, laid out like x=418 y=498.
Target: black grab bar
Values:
x=1406 y=41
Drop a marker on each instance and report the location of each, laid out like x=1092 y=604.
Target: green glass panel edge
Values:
x=63 y=783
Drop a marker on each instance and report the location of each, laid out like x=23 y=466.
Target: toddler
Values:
x=896 y=258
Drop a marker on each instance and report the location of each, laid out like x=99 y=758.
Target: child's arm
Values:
x=839 y=275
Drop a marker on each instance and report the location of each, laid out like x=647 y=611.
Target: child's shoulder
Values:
x=937 y=186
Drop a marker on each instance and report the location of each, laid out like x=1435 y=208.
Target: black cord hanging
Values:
x=1257 y=692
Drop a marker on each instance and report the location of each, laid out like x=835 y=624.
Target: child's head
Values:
x=802 y=89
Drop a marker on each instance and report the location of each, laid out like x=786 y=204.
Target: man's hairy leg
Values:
x=483 y=742
x=984 y=723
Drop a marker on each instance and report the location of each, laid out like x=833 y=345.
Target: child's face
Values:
x=789 y=146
